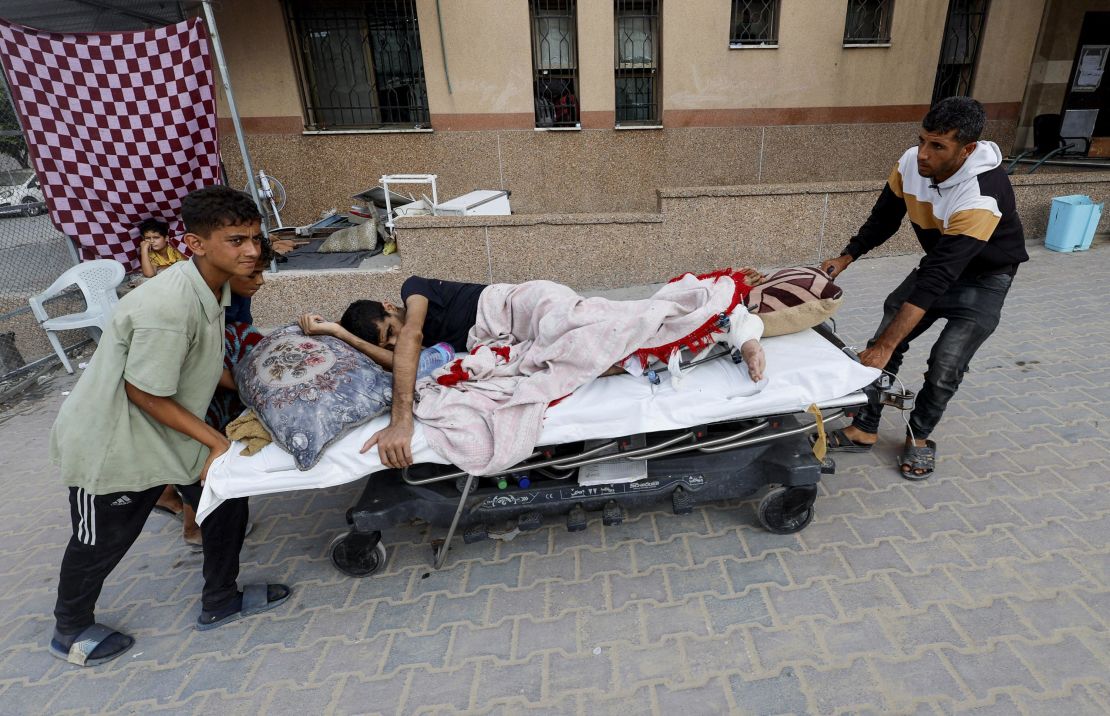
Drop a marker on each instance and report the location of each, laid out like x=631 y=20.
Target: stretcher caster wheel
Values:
x=357 y=554
x=612 y=514
x=786 y=510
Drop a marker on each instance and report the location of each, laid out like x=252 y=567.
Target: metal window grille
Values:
x=637 y=62
x=360 y=63
x=959 y=53
x=868 y=22
x=755 y=22
x=555 y=62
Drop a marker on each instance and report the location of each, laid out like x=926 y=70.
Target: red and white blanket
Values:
x=536 y=342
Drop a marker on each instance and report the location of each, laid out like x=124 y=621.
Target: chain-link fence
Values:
x=32 y=255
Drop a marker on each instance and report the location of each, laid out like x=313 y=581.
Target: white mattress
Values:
x=802 y=369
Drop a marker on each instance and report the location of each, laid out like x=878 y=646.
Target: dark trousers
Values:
x=971 y=308
x=105 y=527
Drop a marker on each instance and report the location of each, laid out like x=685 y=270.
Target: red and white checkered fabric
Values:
x=120 y=127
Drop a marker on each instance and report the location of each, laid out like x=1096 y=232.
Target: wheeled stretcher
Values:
x=619 y=442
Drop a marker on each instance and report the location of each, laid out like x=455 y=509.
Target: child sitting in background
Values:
x=155 y=251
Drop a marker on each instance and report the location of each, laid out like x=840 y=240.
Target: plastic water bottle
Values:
x=434 y=358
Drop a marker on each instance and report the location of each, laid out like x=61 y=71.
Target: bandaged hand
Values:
x=752 y=353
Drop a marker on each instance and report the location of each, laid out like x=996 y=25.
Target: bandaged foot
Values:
x=752 y=353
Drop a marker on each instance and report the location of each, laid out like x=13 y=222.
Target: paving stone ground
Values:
x=985 y=589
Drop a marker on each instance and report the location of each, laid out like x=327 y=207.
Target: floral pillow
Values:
x=311 y=390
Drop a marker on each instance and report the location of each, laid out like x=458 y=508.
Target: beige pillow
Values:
x=363 y=237
x=794 y=299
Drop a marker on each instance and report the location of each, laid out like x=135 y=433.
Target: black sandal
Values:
x=839 y=442
x=918 y=463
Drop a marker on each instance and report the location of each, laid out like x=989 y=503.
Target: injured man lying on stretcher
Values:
x=525 y=346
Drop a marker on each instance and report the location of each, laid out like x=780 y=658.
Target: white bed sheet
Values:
x=802 y=369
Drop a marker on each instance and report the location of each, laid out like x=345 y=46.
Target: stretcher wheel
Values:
x=786 y=510
x=357 y=554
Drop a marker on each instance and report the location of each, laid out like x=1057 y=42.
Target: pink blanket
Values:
x=556 y=342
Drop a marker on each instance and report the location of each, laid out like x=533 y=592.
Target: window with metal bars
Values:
x=868 y=22
x=959 y=52
x=754 y=23
x=359 y=63
x=555 y=62
x=637 y=62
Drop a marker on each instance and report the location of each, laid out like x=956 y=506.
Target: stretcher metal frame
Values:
x=725 y=460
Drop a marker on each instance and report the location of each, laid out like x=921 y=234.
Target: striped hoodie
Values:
x=967 y=224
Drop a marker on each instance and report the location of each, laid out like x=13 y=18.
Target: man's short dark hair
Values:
x=963 y=114
x=153 y=224
x=215 y=207
x=363 y=319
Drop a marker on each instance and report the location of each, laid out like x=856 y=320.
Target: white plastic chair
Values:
x=97 y=280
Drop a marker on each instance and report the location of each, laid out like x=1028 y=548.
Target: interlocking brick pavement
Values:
x=985 y=589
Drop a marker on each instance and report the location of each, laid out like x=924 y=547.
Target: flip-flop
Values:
x=168 y=512
x=915 y=458
x=839 y=442
x=254 y=599
x=85 y=643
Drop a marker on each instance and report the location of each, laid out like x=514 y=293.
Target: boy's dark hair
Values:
x=214 y=207
x=153 y=224
x=963 y=114
x=363 y=318
x=267 y=251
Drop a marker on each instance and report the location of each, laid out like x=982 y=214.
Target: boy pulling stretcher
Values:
x=542 y=342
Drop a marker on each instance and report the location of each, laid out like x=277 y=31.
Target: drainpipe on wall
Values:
x=443 y=48
x=218 y=50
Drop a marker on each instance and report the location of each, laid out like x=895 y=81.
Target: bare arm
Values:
x=315 y=325
x=395 y=442
x=169 y=412
x=227 y=380
x=144 y=260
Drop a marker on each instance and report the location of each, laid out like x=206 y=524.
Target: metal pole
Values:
x=218 y=50
x=443 y=48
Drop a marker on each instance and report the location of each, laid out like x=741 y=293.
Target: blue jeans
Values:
x=972 y=308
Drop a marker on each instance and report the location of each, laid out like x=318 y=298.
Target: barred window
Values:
x=963 y=34
x=359 y=62
x=868 y=22
x=754 y=22
x=637 y=59
x=555 y=62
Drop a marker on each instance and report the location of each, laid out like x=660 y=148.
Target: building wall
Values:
x=769 y=226
x=1052 y=61
x=808 y=110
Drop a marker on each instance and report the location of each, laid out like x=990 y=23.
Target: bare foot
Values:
x=754 y=358
x=858 y=436
x=170 y=500
x=752 y=276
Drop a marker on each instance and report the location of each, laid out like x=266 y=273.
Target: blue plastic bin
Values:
x=1072 y=223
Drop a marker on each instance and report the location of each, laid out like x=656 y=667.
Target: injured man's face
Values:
x=389 y=328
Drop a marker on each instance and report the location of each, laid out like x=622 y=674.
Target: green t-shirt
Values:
x=167 y=338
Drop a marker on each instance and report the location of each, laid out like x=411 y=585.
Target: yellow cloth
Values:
x=172 y=256
x=248 y=429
